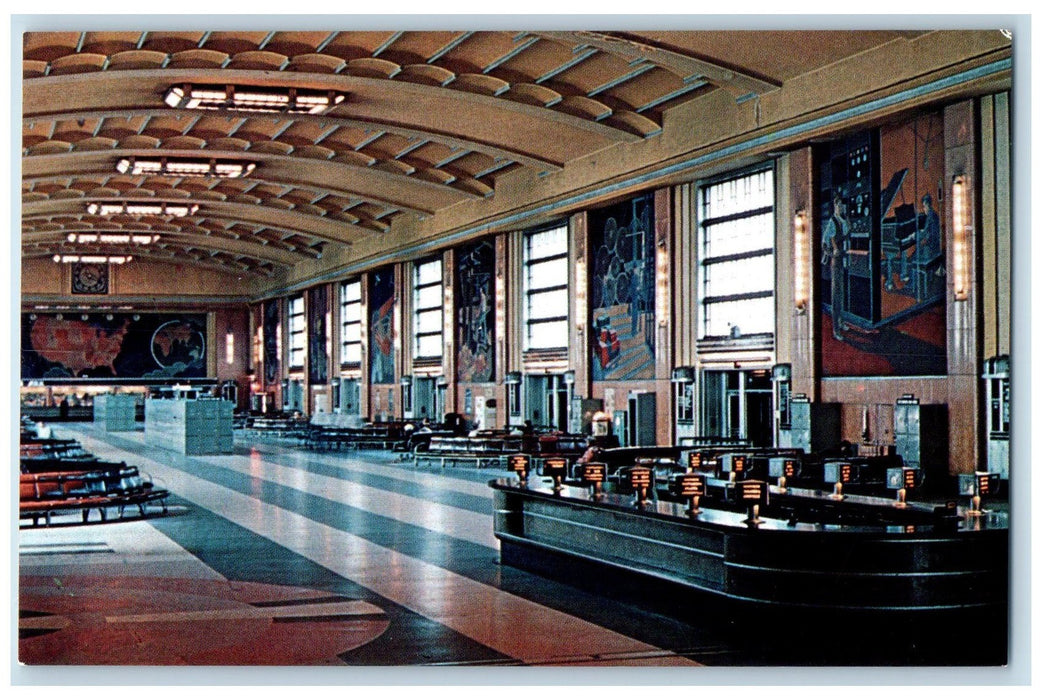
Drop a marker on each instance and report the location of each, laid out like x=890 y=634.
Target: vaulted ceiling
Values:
x=430 y=120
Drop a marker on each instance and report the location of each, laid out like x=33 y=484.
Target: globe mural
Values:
x=177 y=345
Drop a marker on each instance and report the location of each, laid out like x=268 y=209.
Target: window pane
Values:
x=739 y=276
x=548 y=274
x=546 y=243
x=730 y=237
x=428 y=297
x=351 y=353
x=428 y=272
x=750 y=316
x=351 y=291
x=429 y=346
x=552 y=334
x=351 y=333
x=428 y=321
x=351 y=313
x=737 y=195
x=548 y=304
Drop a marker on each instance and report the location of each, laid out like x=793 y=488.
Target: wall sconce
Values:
x=662 y=284
x=801 y=261
x=960 y=237
x=229 y=346
x=569 y=377
x=501 y=304
x=447 y=317
x=512 y=378
x=580 y=294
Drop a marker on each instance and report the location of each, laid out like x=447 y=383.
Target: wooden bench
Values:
x=44 y=494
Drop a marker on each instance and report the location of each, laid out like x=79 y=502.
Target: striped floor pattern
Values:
x=275 y=555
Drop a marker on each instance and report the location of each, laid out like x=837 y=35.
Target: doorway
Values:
x=738 y=404
x=546 y=401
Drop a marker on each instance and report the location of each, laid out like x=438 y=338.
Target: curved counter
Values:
x=955 y=563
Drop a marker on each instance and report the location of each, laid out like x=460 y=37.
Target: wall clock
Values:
x=90 y=278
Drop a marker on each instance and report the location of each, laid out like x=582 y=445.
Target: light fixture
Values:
x=801 y=261
x=960 y=238
x=662 y=284
x=111 y=259
x=141 y=209
x=246 y=98
x=113 y=238
x=580 y=293
x=186 y=167
x=229 y=346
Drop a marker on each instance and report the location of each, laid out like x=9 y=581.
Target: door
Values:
x=424 y=398
x=739 y=404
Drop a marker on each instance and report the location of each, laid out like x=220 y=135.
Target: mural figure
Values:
x=271 y=341
x=834 y=242
x=318 y=304
x=381 y=324
x=475 y=314
x=883 y=286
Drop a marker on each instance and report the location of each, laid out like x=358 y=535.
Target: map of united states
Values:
x=76 y=344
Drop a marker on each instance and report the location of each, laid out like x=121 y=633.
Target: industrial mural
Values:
x=271 y=341
x=318 y=358
x=113 y=346
x=882 y=275
x=475 y=312
x=381 y=326
x=622 y=290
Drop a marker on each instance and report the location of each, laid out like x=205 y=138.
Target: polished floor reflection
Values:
x=278 y=556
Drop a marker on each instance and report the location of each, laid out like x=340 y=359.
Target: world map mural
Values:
x=113 y=346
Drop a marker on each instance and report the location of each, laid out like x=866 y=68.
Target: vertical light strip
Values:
x=258 y=357
x=801 y=262
x=580 y=293
x=501 y=306
x=662 y=284
x=447 y=325
x=960 y=244
x=229 y=346
x=329 y=330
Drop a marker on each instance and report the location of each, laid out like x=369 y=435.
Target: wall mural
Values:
x=882 y=265
x=113 y=346
x=622 y=290
x=318 y=359
x=381 y=326
x=271 y=341
x=475 y=312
